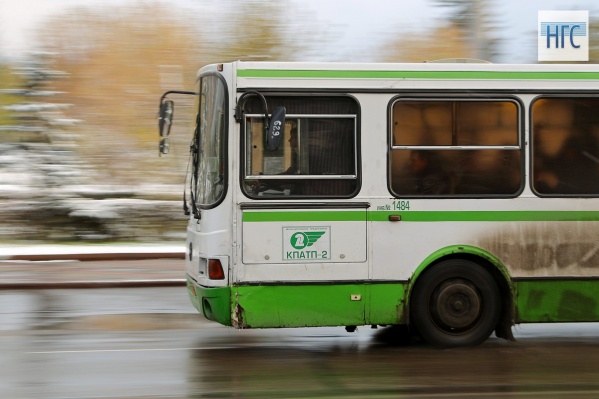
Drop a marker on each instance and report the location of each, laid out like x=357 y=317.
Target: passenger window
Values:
x=317 y=156
x=565 y=137
x=455 y=148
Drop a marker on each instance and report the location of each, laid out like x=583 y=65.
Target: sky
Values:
x=362 y=22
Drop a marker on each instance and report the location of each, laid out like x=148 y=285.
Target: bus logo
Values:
x=301 y=239
x=308 y=243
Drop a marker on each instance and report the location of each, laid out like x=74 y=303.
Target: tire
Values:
x=455 y=303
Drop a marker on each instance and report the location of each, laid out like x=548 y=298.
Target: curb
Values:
x=96 y=256
x=92 y=284
x=90 y=257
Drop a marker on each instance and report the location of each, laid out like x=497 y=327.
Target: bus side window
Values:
x=317 y=157
x=455 y=147
x=565 y=146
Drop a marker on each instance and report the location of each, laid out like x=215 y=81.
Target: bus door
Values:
x=300 y=226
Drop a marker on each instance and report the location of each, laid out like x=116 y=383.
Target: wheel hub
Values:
x=457 y=305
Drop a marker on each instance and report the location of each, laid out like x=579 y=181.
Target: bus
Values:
x=457 y=199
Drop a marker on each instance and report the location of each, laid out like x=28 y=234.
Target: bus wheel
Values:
x=456 y=303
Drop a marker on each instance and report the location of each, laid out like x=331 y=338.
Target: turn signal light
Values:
x=215 y=270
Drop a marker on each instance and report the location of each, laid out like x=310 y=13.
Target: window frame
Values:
x=353 y=176
x=457 y=96
x=243 y=168
x=224 y=136
x=531 y=152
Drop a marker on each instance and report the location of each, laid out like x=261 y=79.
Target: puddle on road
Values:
x=126 y=322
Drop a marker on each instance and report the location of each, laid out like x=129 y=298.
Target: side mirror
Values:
x=165 y=118
x=273 y=135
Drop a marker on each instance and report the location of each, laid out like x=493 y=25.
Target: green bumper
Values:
x=309 y=305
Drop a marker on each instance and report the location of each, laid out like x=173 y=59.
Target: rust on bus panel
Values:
x=545 y=249
x=238 y=314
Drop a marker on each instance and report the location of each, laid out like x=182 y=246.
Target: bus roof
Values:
x=337 y=75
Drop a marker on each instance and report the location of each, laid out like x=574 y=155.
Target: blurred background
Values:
x=80 y=82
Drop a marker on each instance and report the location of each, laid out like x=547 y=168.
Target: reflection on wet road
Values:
x=139 y=343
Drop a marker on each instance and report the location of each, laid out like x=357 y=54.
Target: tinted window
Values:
x=455 y=147
x=565 y=133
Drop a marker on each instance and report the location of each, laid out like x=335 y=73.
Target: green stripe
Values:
x=319 y=216
x=423 y=216
x=540 y=300
x=478 y=75
x=488 y=216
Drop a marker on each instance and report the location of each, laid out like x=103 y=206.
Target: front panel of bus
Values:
x=276 y=238
x=209 y=231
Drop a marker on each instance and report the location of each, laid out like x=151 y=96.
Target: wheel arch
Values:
x=488 y=262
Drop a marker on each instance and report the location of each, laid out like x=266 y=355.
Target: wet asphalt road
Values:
x=150 y=343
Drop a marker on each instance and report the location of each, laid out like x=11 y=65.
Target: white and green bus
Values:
x=456 y=198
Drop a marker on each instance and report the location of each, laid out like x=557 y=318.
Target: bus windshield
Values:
x=208 y=183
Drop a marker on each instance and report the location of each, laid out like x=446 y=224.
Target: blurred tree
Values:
x=269 y=30
x=40 y=124
x=474 y=19
x=38 y=164
x=445 y=41
x=593 y=40
x=7 y=79
x=121 y=59
x=34 y=113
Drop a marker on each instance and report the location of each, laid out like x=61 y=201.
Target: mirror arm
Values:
x=192 y=93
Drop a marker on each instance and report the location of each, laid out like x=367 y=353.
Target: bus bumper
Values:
x=212 y=302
